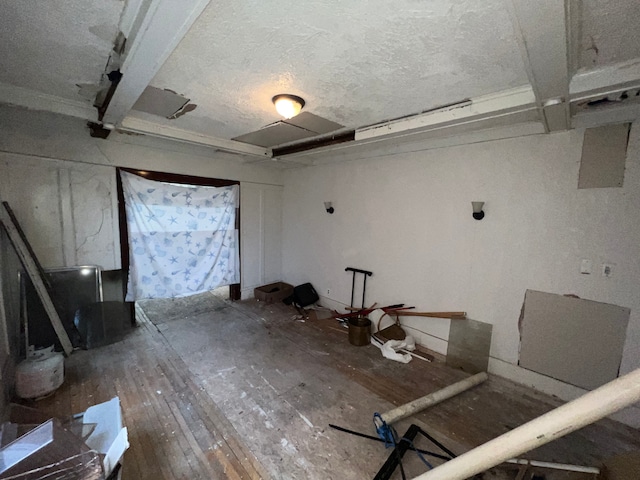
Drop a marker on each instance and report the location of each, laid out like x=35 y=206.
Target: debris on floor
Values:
x=86 y=446
x=398 y=350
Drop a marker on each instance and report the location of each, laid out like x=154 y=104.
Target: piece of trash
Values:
x=390 y=347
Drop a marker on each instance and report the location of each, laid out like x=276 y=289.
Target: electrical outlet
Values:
x=328 y=291
x=607 y=270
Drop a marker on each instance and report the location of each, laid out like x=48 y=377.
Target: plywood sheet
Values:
x=275 y=134
x=574 y=340
x=604 y=151
x=469 y=345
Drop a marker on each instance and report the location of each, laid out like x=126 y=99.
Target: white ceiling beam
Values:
x=511 y=102
x=164 y=24
x=33 y=100
x=611 y=115
x=515 y=117
x=541 y=28
x=135 y=125
x=606 y=80
x=419 y=143
x=130 y=14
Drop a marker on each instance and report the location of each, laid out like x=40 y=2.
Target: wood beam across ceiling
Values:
x=33 y=100
x=135 y=125
x=542 y=32
x=157 y=26
x=604 y=81
x=484 y=111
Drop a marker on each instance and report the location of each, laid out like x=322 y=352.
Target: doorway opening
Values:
x=231 y=292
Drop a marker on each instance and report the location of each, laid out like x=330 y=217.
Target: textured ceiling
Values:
x=609 y=32
x=355 y=63
x=52 y=46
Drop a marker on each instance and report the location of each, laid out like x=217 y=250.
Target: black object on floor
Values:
x=304 y=295
x=103 y=323
x=70 y=288
x=378 y=439
x=401 y=447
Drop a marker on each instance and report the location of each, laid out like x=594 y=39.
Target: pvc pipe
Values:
x=419 y=404
x=571 y=416
x=555 y=466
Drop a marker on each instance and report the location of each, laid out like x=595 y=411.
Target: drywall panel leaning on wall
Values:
x=574 y=340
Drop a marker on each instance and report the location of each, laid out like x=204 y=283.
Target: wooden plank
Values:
x=207 y=413
x=35 y=272
x=451 y=315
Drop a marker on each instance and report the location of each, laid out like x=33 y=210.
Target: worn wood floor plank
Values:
x=173 y=434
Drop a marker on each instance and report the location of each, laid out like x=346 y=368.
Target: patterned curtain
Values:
x=182 y=238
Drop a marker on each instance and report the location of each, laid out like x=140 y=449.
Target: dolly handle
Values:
x=366 y=272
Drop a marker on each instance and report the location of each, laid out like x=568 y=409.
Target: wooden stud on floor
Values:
x=35 y=272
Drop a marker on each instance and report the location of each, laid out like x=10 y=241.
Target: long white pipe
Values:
x=571 y=416
x=421 y=403
x=555 y=466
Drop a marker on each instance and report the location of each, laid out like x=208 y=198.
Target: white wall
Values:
x=261 y=236
x=61 y=183
x=67 y=210
x=50 y=136
x=407 y=218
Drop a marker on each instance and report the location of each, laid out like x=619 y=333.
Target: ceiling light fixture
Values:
x=288 y=105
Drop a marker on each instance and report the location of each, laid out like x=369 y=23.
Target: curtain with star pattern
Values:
x=182 y=238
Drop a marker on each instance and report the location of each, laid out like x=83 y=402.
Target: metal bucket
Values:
x=359 y=331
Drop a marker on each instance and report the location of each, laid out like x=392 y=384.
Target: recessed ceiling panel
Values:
x=163 y=103
x=314 y=123
x=609 y=32
x=355 y=63
x=275 y=134
x=57 y=47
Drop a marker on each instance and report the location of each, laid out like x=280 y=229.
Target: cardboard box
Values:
x=274 y=292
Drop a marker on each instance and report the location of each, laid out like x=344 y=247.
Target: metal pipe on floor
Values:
x=565 y=419
x=421 y=403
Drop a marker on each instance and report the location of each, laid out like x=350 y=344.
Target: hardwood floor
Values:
x=175 y=429
x=245 y=390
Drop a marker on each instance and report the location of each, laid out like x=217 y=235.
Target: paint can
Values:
x=359 y=331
